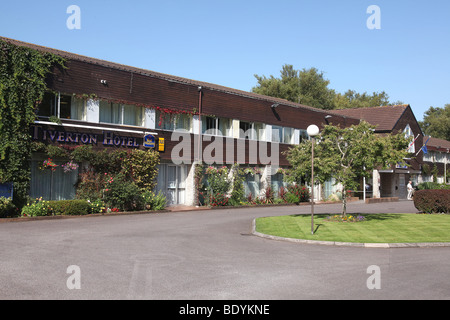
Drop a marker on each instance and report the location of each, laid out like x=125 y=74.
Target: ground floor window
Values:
x=277 y=182
x=252 y=184
x=52 y=184
x=172 y=182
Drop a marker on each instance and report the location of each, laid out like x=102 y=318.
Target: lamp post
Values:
x=313 y=131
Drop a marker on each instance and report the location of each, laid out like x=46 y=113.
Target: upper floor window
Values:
x=121 y=113
x=217 y=126
x=409 y=134
x=251 y=130
x=303 y=135
x=62 y=106
x=177 y=122
x=282 y=134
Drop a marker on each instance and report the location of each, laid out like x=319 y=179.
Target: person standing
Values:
x=410 y=189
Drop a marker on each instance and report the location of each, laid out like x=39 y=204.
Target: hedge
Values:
x=70 y=207
x=432 y=201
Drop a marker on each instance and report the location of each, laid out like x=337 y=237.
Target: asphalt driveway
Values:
x=207 y=254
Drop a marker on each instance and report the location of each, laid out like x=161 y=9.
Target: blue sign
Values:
x=6 y=190
x=149 y=141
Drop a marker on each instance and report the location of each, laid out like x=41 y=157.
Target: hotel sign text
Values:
x=107 y=138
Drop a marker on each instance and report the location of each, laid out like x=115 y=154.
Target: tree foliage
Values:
x=309 y=87
x=22 y=85
x=346 y=154
x=436 y=122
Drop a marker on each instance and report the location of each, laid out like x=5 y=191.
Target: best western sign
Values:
x=106 y=138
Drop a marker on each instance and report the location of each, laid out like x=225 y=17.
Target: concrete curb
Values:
x=351 y=244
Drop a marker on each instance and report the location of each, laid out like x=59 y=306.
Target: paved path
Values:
x=207 y=254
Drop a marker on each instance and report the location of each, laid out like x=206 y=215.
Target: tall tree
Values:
x=346 y=154
x=353 y=99
x=436 y=122
x=307 y=86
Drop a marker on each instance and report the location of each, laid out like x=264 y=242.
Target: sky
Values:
x=227 y=42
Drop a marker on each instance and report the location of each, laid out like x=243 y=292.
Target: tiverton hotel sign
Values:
x=106 y=138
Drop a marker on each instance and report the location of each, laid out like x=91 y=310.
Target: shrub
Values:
x=141 y=167
x=70 y=207
x=217 y=180
x=217 y=200
x=268 y=196
x=36 y=208
x=97 y=206
x=297 y=193
x=432 y=185
x=282 y=194
x=432 y=201
x=124 y=195
x=154 y=202
x=238 y=190
x=7 y=208
x=91 y=185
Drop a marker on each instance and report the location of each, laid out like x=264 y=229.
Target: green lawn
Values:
x=376 y=228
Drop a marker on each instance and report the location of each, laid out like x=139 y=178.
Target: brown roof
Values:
x=436 y=143
x=385 y=118
x=73 y=56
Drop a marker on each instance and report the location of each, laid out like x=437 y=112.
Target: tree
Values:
x=307 y=86
x=436 y=122
x=346 y=154
x=351 y=99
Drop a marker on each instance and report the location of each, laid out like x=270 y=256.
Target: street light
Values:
x=313 y=131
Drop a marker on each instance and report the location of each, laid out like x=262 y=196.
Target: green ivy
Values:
x=23 y=72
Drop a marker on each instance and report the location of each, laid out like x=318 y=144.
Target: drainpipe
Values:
x=199 y=123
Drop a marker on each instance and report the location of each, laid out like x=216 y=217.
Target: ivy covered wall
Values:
x=23 y=72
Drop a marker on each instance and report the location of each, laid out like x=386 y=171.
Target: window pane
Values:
x=225 y=127
x=303 y=136
x=245 y=130
x=78 y=109
x=65 y=106
x=47 y=106
x=288 y=135
x=277 y=133
x=110 y=112
x=183 y=122
x=209 y=125
x=259 y=129
x=132 y=115
x=164 y=121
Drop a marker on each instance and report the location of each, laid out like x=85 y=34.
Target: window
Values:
x=132 y=115
x=245 y=130
x=110 y=112
x=409 y=133
x=226 y=127
x=303 y=135
x=288 y=135
x=62 y=106
x=217 y=126
x=121 y=114
x=52 y=185
x=164 y=121
x=252 y=185
x=47 y=107
x=251 y=130
x=183 y=122
x=277 y=134
x=282 y=134
x=209 y=125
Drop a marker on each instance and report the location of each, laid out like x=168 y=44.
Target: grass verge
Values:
x=376 y=228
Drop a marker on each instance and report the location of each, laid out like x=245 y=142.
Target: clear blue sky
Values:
x=226 y=42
